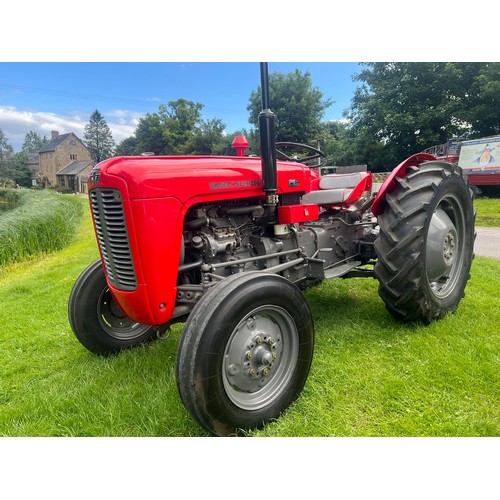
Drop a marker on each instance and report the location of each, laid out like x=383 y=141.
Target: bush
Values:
x=64 y=190
x=10 y=196
x=43 y=221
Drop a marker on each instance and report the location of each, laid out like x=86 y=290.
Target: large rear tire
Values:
x=425 y=244
x=245 y=352
x=97 y=321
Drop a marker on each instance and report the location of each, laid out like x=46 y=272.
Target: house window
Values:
x=72 y=157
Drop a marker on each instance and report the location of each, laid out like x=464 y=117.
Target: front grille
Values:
x=109 y=219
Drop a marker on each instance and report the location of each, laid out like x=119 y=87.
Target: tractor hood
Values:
x=196 y=178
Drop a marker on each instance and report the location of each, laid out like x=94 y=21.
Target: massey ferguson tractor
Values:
x=225 y=244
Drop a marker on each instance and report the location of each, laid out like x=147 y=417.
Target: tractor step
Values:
x=340 y=270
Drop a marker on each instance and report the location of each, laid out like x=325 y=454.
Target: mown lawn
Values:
x=488 y=212
x=370 y=375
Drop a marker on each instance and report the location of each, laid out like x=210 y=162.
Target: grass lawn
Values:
x=370 y=375
x=488 y=212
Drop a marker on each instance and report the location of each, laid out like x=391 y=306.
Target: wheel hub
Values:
x=441 y=242
x=254 y=354
x=260 y=357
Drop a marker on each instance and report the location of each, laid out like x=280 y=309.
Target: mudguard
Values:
x=400 y=171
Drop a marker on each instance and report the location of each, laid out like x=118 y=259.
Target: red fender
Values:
x=400 y=171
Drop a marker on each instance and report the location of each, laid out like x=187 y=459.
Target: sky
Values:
x=56 y=69
x=46 y=96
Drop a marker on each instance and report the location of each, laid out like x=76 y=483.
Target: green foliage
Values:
x=170 y=130
x=128 y=147
x=10 y=196
x=482 y=105
x=43 y=221
x=33 y=142
x=7 y=161
x=407 y=107
x=98 y=138
x=180 y=118
x=208 y=139
x=298 y=106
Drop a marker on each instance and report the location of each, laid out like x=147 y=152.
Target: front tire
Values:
x=245 y=352
x=425 y=244
x=97 y=321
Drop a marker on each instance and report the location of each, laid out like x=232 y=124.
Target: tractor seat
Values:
x=336 y=189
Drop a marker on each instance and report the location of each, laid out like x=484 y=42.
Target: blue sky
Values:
x=45 y=96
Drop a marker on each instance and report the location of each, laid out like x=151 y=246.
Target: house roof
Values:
x=55 y=143
x=75 y=167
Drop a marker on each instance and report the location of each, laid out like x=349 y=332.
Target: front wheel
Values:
x=245 y=352
x=97 y=321
x=425 y=245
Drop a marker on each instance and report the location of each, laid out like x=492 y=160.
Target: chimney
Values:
x=55 y=134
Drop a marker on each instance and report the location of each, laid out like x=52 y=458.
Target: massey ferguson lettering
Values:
x=235 y=184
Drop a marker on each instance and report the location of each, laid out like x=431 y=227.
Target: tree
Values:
x=149 y=135
x=7 y=161
x=182 y=116
x=128 y=147
x=298 y=106
x=170 y=130
x=482 y=103
x=33 y=142
x=21 y=172
x=402 y=108
x=208 y=138
x=98 y=138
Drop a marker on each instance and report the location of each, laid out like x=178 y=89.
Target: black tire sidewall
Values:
x=83 y=315
x=204 y=395
x=402 y=272
x=450 y=186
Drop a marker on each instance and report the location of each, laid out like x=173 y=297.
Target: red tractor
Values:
x=225 y=244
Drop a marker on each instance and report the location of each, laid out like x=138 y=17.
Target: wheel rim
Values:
x=260 y=357
x=445 y=246
x=114 y=322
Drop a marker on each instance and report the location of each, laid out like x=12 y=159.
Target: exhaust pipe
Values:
x=267 y=141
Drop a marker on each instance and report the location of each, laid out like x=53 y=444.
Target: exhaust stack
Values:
x=267 y=141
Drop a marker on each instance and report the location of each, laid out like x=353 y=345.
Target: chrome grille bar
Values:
x=112 y=236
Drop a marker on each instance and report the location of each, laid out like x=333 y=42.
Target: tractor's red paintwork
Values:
x=157 y=192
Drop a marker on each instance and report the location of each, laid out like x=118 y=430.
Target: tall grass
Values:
x=42 y=222
x=10 y=196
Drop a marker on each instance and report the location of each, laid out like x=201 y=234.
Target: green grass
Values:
x=41 y=222
x=488 y=212
x=370 y=375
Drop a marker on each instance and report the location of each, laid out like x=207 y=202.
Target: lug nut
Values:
x=265 y=372
x=259 y=340
x=249 y=355
x=271 y=341
x=253 y=372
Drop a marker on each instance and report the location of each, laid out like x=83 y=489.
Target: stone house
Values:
x=75 y=175
x=56 y=157
x=33 y=164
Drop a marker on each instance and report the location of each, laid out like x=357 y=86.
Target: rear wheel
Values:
x=425 y=244
x=245 y=352
x=97 y=321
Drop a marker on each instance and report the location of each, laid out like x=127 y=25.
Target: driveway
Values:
x=487 y=242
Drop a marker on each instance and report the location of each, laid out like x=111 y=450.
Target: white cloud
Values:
x=16 y=123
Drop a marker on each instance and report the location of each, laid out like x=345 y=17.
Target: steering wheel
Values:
x=316 y=153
